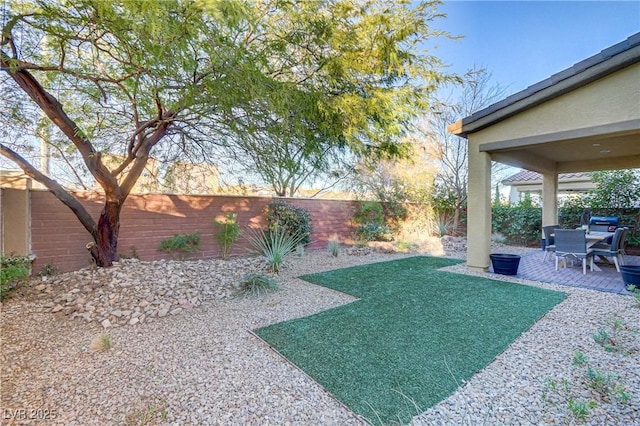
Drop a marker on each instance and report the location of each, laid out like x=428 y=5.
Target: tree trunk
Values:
x=105 y=249
x=456 y=220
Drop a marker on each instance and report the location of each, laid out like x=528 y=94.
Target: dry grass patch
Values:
x=101 y=342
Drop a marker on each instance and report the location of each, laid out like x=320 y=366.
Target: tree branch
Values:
x=53 y=186
x=142 y=155
x=53 y=109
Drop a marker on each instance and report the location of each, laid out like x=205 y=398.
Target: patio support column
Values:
x=549 y=199
x=478 y=209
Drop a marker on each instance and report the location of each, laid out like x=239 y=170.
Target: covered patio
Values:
x=584 y=118
x=608 y=279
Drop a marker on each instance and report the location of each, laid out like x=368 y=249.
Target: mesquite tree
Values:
x=107 y=83
x=451 y=151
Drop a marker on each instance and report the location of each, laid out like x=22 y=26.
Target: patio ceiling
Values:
x=616 y=150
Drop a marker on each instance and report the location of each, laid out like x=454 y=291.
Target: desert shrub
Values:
x=48 y=270
x=274 y=245
x=418 y=227
x=406 y=246
x=13 y=271
x=181 y=246
x=292 y=220
x=253 y=285
x=228 y=231
x=374 y=232
x=101 y=342
x=333 y=247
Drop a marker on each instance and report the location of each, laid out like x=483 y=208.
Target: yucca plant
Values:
x=274 y=245
x=254 y=285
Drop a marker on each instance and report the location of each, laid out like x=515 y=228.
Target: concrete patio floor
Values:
x=533 y=268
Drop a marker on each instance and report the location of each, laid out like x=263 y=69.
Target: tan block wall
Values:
x=15 y=222
x=58 y=238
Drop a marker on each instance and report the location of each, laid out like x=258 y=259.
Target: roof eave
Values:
x=607 y=62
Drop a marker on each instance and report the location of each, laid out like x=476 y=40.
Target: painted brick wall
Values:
x=58 y=238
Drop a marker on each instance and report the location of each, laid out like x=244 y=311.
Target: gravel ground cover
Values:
x=190 y=358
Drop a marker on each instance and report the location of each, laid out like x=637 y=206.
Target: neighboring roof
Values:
x=529 y=176
x=608 y=61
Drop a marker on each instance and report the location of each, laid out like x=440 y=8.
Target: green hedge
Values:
x=521 y=224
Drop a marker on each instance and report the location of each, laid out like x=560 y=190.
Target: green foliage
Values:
x=603 y=338
x=579 y=359
x=607 y=387
x=406 y=246
x=228 y=231
x=520 y=223
x=374 y=232
x=369 y=212
x=255 y=285
x=621 y=394
x=614 y=337
x=181 y=246
x=603 y=383
x=371 y=221
x=394 y=213
x=635 y=291
x=580 y=409
x=443 y=224
x=292 y=220
x=13 y=271
x=617 y=194
x=617 y=189
x=274 y=245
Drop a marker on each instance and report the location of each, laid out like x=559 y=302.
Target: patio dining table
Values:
x=594 y=237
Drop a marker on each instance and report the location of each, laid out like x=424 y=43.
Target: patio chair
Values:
x=572 y=244
x=614 y=250
x=549 y=240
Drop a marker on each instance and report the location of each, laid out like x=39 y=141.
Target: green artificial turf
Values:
x=413 y=337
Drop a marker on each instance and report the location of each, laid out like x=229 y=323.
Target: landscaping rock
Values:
x=130 y=287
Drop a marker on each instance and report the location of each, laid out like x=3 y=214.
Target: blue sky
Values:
x=523 y=42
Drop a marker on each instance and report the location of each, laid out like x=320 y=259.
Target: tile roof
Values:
x=529 y=176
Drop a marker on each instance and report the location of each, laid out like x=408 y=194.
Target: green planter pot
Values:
x=505 y=264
